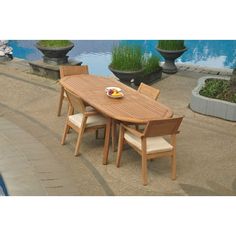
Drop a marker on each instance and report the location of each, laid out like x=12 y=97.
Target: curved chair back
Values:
x=162 y=127
x=73 y=70
x=149 y=91
x=75 y=102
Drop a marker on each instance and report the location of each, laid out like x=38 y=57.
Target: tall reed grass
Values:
x=171 y=44
x=54 y=43
x=126 y=58
x=151 y=64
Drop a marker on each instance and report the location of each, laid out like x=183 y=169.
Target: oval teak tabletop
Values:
x=133 y=107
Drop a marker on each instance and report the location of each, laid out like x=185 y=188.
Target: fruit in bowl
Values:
x=114 y=93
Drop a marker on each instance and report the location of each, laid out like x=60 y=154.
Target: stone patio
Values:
x=33 y=162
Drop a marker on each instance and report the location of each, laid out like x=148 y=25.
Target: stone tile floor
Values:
x=33 y=162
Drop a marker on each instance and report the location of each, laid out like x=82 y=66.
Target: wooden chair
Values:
x=149 y=143
x=149 y=91
x=84 y=121
x=66 y=71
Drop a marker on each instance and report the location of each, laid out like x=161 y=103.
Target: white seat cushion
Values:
x=154 y=144
x=89 y=108
x=91 y=120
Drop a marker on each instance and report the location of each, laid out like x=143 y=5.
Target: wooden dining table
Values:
x=133 y=107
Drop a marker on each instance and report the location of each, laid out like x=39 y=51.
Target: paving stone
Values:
x=13 y=164
x=63 y=191
x=25 y=185
x=44 y=167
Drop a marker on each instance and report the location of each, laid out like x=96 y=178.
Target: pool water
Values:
x=97 y=53
x=3 y=189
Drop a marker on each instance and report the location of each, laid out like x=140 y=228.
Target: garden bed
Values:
x=212 y=106
x=218 y=89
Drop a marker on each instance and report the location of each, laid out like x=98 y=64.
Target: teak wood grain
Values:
x=66 y=71
x=133 y=107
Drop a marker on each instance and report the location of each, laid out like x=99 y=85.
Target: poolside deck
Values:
x=33 y=162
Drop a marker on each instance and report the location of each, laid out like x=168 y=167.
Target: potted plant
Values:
x=55 y=51
x=126 y=62
x=152 y=70
x=170 y=50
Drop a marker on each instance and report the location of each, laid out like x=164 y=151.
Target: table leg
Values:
x=113 y=135
x=107 y=140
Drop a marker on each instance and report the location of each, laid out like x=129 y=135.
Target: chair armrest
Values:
x=90 y=113
x=133 y=131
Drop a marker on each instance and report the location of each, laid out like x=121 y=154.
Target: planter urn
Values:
x=55 y=56
x=169 y=66
x=149 y=78
x=126 y=76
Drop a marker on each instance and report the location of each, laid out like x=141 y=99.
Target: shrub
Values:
x=233 y=80
x=151 y=64
x=127 y=58
x=171 y=44
x=54 y=43
x=219 y=89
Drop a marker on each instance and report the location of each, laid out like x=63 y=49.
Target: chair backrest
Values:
x=149 y=91
x=73 y=70
x=75 y=101
x=162 y=127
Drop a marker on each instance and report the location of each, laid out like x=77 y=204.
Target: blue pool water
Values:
x=3 y=189
x=97 y=53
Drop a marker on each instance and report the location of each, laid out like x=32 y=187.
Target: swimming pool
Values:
x=97 y=53
x=3 y=189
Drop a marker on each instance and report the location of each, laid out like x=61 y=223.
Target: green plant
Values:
x=233 y=81
x=151 y=64
x=219 y=89
x=54 y=43
x=126 y=58
x=171 y=44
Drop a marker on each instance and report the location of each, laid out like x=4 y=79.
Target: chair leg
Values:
x=120 y=146
x=144 y=169
x=80 y=135
x=106 y=141
x=78 y=143
x=66 y=129
x=60 y=101
x=104 y=133
x=173 y=158
x=173 y=166
x=96 y=135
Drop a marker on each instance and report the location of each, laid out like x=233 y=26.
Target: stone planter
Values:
x=49 y=70
x=149 y=78
x=209 y=106
x=55 y=56
x=125 y=76
x=169 y=66
x=5 y=58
